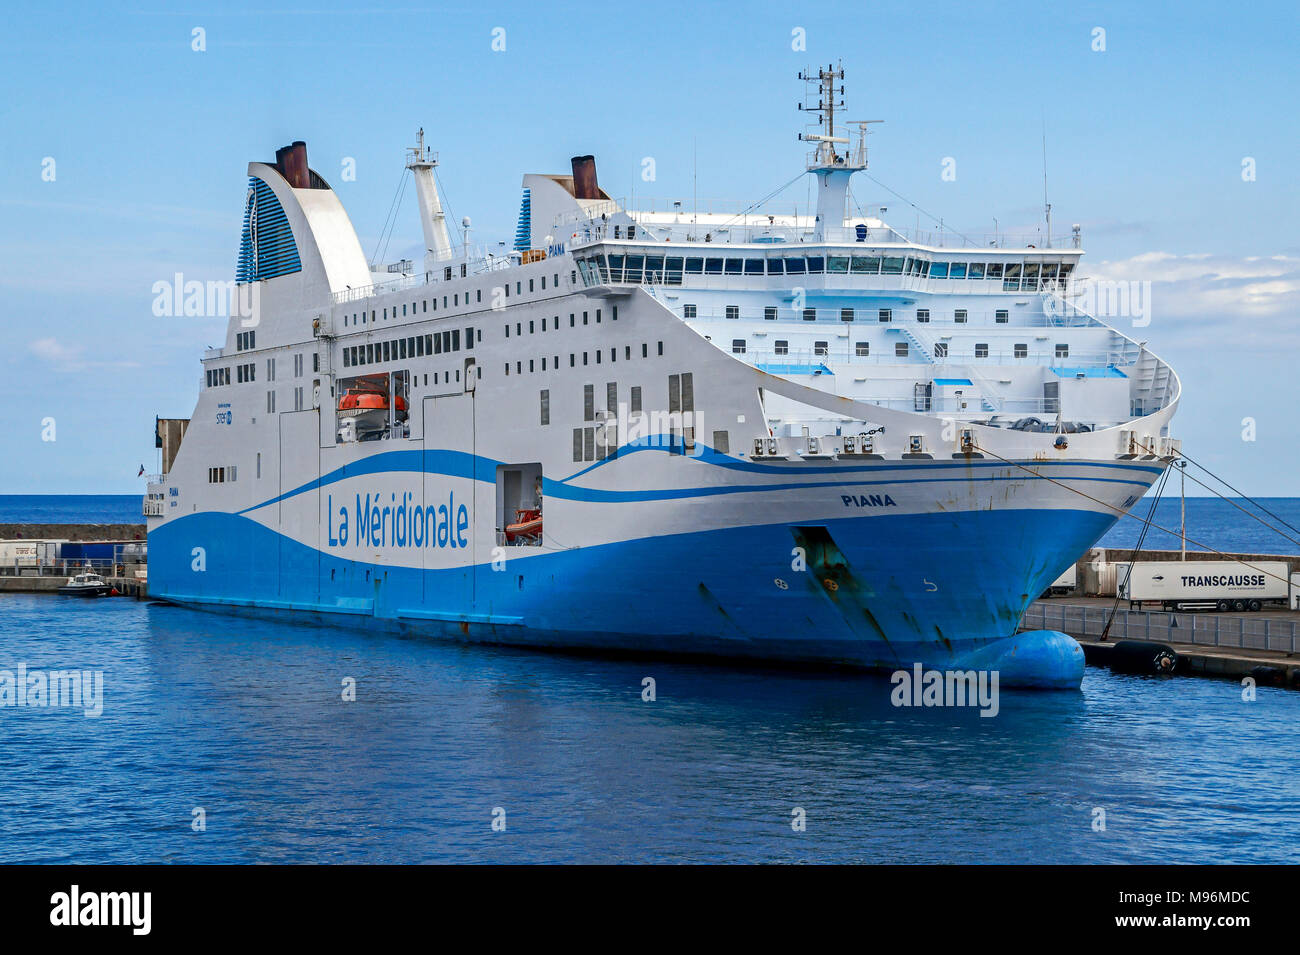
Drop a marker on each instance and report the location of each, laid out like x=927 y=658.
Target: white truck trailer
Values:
x=1067 y=582
x=18 y=554
x=1221 y=585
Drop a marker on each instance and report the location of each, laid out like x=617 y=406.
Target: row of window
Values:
x=589 y=401
x=600 y=441
x=221 y=475
x=901 y=349
x=554 y=322
x=415 y=346
x=960 y=316
x=611 y=399
x=450 y=300
x=362 y=318
x=536 y=364
x=669 y=269
x=248 y=371
x=245 y=340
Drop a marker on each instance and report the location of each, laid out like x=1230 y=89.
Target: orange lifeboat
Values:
x=361 y=399
x=527 y=527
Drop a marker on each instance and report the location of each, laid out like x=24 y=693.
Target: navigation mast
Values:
x=437 y=242
x=833 y=169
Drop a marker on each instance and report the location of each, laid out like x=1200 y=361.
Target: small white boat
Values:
x=86 y=585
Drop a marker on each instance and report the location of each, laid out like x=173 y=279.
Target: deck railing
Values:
x=779 y=225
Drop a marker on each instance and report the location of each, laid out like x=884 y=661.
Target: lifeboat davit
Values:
x=527 y=527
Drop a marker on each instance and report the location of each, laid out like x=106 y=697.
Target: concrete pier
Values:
x=47 y=577
x=1263 y=645
x=73 y=532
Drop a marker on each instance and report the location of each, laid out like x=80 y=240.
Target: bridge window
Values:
x=866 y=265
x=713 y=266
x=794 y=266
x=938 y=270
x=975 y=270
x=957 y=270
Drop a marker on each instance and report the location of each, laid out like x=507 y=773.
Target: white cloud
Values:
x=1196 y=297
x=51 y=349
x=69 y=357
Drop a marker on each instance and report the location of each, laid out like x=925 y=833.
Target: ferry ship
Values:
x=767 y=433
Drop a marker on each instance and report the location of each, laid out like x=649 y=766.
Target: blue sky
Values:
x=1145 y=146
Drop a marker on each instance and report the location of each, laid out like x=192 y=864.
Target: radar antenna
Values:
x=832 y=166
x=829 y=99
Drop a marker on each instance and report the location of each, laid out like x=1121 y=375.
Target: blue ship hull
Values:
x=946 y=590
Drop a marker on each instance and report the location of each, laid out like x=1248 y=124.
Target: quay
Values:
x=112 y=550
x=1262 y=645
